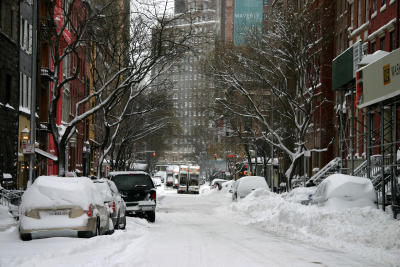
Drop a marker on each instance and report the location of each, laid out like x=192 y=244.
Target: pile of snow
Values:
x=299 y=194
x=367 y=231
x=6 y=219
x=51 y=191
x=345 y=191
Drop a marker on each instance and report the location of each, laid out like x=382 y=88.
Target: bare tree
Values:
x=119 y=70
x=274 y=81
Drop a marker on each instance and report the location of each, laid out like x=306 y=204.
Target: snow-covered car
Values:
x=157 y=181
x=116 y=204
x=246 y=185
x=161 y=174
x=139 y=192
x=344 y=191
x=62 y=206
x=217 y=183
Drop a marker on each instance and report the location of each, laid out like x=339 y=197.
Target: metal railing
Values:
x=332 y=167
x=11 y=199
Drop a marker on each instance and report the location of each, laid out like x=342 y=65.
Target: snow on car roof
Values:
x=126 y=172
x=52 y=191
x=103 y=188
x=346 y=186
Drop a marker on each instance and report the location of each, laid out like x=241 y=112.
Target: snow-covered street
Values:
x=192 y=230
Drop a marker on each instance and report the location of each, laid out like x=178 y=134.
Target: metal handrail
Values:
x=333 y=164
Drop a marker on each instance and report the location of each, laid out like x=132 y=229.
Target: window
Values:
x=25 y=89
x=366 y=10
x=373 y=5
x=352 y=16
x=359 y=14
x=373 y=47
x=392 y=40
x=382 y=43
x=8 y=89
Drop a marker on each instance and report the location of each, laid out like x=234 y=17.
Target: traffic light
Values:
x=154 y=154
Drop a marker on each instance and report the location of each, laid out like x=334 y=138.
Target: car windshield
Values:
x=182 y=181
x=133 y=181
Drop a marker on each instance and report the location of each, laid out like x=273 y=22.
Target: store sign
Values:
x=381 y=79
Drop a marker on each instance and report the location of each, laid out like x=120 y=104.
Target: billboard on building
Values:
x=248 y=17
x=380 y=80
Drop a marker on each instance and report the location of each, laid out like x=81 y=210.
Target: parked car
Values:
x=245 y=185
x=116 y=204
x=157 y=181
x=62 y=206
x=343 y=191
x=161 y=175
x=217 y=183
x=139 y=192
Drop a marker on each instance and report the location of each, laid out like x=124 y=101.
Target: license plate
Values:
x=147 y=208
x=55 y=213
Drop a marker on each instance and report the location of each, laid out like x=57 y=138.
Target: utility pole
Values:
x=33 y=93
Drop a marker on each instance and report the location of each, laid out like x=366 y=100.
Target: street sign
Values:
x=28 y=148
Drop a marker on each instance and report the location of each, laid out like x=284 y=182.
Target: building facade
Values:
x=25 y=79
x=9 y=91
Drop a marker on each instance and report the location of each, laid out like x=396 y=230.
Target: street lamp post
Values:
x=86 y=159
x=33 y=93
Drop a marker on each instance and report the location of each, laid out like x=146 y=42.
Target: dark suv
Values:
x=138 y=191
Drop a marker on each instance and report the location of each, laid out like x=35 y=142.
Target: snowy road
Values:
x=190 y=230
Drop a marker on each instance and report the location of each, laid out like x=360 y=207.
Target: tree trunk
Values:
x=61 y=160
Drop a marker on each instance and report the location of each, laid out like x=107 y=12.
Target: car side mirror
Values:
x=230 y=191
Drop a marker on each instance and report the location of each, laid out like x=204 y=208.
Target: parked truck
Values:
x=194 y=179
x=183 y=179
x=170 y=176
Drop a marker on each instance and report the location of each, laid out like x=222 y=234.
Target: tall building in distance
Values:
x=192 y=92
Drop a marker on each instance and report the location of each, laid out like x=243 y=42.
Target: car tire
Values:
x=97 y=231
x=151 y=216
x=25 y=237
x=110 y=230
x=123 y=226
x=116 y=226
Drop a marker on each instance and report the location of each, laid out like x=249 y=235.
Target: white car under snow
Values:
x=345 y=191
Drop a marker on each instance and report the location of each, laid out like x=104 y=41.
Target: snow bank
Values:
x=366 y=231
x=6 y=219
x=299 y=194
x=51 y=191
